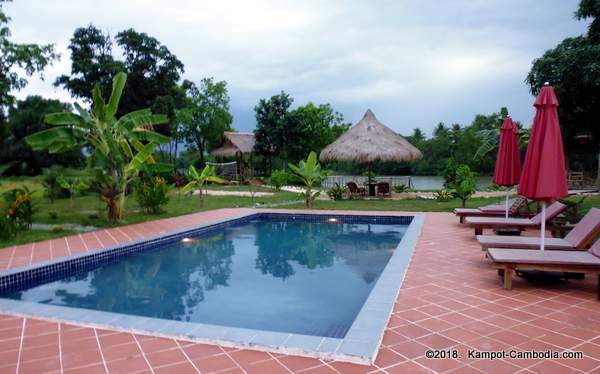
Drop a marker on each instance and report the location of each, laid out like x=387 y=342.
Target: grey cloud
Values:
x=414 y=63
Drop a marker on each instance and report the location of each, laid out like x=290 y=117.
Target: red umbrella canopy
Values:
x=544 y=176
x=508 y=162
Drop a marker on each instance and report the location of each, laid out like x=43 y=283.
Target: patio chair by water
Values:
x=480 y=223
x=582 y=235
x=518 y=207
x=509 y=260
x=355 y=190
x=383 y=189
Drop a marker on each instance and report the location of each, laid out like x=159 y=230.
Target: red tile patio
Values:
x=450 y=299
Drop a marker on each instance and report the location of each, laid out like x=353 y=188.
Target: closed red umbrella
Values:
x=507 y=171
x=544 y=177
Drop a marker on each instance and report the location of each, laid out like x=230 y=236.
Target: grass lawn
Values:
x=420 y=205
x=88 y=210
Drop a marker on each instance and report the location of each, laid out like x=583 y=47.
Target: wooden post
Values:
x=507 y=278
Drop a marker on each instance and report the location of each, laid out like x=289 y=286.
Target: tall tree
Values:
x=17 y=61
x=92 y=63
x=24 y=119
x=311 y=128
x=271 y=125
x=29 y=58
x=590 y=9
x=206 y=115
x=153 y=71
x=573 y=68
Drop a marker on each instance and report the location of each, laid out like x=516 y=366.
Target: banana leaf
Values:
x=115 y=96
x=140 y=158
x=43 y=139
x=66 y=118
x=189 y=187
x=150 y=136
x=99 y=106
x=140 y=118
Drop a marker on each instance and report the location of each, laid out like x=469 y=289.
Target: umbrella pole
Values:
x=543 y=233
x=506 y=205
x=369 y=179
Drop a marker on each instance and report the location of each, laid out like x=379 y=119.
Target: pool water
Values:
x=288 y=276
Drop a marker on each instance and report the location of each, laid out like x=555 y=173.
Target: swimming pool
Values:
x=310 y=284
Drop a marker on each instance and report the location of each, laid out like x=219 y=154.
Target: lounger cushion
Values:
x=586 y=229
x=519 y=256
x=481 y=221
x=525 y=242
x=493 y=208
x=552 y=211
x=476 y=212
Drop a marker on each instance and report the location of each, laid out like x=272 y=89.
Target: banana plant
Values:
x=310 y=173
x=489 y=139
x=119 y=147
x=74 y=186
x=198 y=180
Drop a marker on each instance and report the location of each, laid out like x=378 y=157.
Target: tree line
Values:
x=198 y=113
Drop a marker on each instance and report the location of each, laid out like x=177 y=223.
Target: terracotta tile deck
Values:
x=450 y=299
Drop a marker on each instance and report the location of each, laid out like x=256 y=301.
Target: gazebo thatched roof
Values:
x=235 y=144
x=369 y=140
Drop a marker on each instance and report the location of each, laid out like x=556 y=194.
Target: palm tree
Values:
x=198 y=180
x=310 y=173
x=119 y=147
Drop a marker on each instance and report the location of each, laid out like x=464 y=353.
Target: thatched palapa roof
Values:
x=235 y=144
x=369 y=140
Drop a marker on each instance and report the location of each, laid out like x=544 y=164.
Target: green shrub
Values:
x=449 y=172
x=278 y=179
x=19 y=207
x=16 y=212
x=52 y=214
x=464 y=185
x=75 y=186
x=152 y=193
x=57 y=228
x=401 y=188
x=50 y=182
x=336 y=192
x=8 y=226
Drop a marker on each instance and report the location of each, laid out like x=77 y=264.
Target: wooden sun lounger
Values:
x=495 y=210
x=480 y=223
x=582 y=235
x=510 y=260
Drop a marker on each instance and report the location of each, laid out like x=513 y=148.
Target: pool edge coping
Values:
x=360 y=345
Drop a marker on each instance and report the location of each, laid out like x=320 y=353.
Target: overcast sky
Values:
x=414 y=63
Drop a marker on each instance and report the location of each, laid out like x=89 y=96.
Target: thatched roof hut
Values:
x=368 y=141
x=235 y=144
